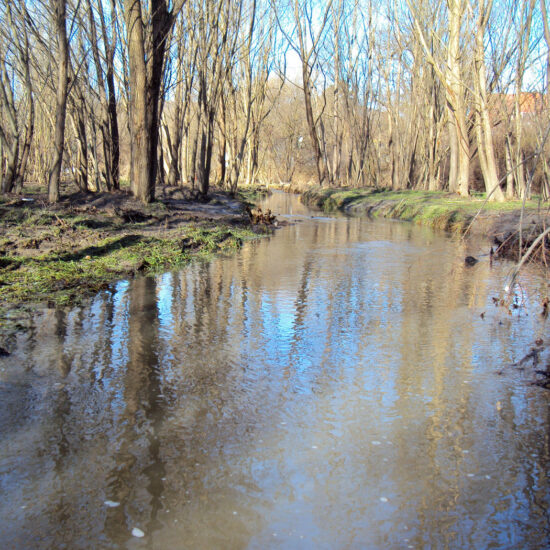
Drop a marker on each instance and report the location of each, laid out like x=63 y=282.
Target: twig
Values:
x=537 y=153
x=529 y=251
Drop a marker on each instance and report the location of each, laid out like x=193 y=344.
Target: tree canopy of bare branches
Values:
x=433 y=94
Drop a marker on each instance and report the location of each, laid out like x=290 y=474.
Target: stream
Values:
x=344 y=383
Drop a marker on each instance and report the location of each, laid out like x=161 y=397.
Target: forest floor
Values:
x=60 y=254
x=499 y=222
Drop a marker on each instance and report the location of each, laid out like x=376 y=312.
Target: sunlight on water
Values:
x=332 y=386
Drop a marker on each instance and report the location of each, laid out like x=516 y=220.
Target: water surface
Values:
x=332 y=386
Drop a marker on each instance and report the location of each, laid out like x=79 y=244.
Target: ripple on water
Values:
x=331 y=385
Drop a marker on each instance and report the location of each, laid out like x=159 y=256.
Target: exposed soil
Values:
x=60 y=254
x=513 y=233
x=32 y=227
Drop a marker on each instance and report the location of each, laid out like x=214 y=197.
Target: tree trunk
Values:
x=450 y=77
x=524 y=46
x=252 y=162
x=338 y=128
x=484 y=131
x=205 y=154
x=109 y=122
x=453 y=152
x=25 y=153
x=79 y=125
x=509 y=168
x=455 y=98
x=222 y=147
x=114 y=142
x=303 y=26
x=29 y=127
x=8 y=183
x=140 y=169
x=319 y=160
x=61 y=100
x=173 y=146
x=146 y=69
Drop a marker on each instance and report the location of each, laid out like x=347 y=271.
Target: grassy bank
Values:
x=435 y=209
x=252 y=194
x=65 y=277
x=63 y=254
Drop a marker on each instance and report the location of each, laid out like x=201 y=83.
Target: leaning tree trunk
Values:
x=484 y=131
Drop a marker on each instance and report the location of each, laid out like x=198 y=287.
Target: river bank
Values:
x=500 y=222
x=61 y=254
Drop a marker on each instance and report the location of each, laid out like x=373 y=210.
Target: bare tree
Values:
x=147 y=38
x=390 y=94
x=176 y=118
x=524 y=39
x=215 y=35
x=16 y=135
x=308 y=33
x=450 y=75
x=104 y=61
x=60 y=14
x=243 y=102
x=484 y=131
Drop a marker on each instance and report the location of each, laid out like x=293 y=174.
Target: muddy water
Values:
x=333 y=386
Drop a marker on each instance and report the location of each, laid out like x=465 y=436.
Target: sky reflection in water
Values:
x=333 y=386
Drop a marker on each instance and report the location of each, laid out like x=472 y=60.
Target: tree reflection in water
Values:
x=334 y=385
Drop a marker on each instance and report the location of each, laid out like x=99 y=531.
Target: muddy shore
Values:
x=52 y=255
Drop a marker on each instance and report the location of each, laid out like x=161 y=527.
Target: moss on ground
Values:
x=436 y=209
x=67 y=277
x=65 y=253
x=251 y=194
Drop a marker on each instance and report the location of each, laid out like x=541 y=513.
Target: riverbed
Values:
x=345 y=383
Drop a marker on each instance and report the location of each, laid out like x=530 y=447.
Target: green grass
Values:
x=434 y=208
x=251 y=194
x=68 y=277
